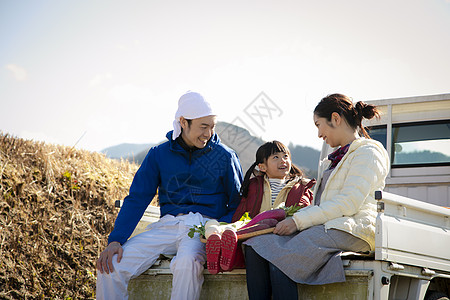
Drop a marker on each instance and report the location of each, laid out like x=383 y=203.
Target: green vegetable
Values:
x=291 y=210
x=245 y=217
x=200 y=229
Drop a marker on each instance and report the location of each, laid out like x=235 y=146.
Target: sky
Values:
x=94 y=74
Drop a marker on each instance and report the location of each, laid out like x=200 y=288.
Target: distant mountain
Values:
x=420 y=157
x=241 y=141
x=305 y=157
x=126 y=150
x=246 y=145
x=235 y=137
x=238 y=139
x=139 y=158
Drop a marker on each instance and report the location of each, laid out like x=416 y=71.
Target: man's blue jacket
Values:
x=207 y=181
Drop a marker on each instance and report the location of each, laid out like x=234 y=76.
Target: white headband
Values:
x=191 y=105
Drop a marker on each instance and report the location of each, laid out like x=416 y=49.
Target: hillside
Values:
x=56 y=209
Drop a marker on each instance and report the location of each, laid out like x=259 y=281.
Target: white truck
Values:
x=412 y=246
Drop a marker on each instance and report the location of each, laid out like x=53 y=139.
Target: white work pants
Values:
x=167 y=236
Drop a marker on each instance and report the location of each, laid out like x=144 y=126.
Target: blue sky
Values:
x=112 y=71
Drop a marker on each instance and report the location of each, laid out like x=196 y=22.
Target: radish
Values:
x=256 y=227
x=211 y=222
x=213 y=229
x=270 y=222
x=277 y=214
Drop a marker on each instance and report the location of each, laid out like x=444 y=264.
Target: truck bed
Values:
x=156 y=283
x=412 y=245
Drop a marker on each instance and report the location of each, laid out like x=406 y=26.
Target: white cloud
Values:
x=99 y=79
x=18 y=72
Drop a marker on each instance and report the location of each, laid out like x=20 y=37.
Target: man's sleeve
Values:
x=142 y=191
x=232 y=184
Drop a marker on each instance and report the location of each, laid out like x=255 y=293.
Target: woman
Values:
x=305 y=249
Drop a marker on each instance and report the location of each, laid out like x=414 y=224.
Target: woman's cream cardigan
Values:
x=347 y=202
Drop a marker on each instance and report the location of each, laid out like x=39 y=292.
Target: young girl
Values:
x=276 y=182
x=305 y=249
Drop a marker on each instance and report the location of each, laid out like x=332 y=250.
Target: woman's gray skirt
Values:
x=310 y=256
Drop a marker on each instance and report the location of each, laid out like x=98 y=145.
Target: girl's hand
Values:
x=285 y=227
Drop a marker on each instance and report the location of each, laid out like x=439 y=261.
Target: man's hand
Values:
x=104 y=262
x=285 y=227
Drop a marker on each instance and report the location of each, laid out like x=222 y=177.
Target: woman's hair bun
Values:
x=365 y=110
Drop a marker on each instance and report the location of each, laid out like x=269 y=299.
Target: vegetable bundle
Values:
x=245 y=225
x=268 y=219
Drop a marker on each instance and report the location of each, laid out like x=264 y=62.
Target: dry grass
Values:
x=56 y=210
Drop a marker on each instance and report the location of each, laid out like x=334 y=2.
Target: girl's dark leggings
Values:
x=265 y=280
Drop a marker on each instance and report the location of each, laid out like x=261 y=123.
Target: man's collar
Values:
x=184 y=145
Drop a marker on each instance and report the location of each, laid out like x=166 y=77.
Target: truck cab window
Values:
x=378 y=133
x=424 y=143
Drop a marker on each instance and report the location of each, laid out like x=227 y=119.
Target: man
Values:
x=197 y=178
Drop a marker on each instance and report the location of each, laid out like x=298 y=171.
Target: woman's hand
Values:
x=104 y=263
x=285 y=227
